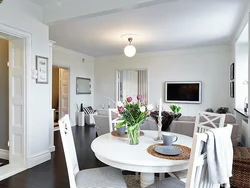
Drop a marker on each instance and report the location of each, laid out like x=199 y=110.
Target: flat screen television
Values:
x=183 y=92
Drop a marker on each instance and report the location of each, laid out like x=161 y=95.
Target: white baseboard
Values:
x=4 y=154
x=10 y=170
x=38 y=159
x=52 y=148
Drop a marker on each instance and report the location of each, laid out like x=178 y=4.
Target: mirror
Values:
x=83 y=85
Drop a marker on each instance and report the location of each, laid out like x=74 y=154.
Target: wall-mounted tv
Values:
x=183 y=92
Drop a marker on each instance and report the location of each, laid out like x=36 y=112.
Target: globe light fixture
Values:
x=130 y=50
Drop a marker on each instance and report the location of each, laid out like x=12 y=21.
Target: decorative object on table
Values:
x=121 y=131
x=168 y=150
x=169 y=138
x=83 y=85
x=209 y=110
x=232 y=89
x=185 y=155
x=81 y=115
x=232 y=71
x=81 y=107
x=166 y=119
x=175 y=111
x=116 y=134
x=159 y=137
x=42 y=70
x=222 y=110
x=133 y=114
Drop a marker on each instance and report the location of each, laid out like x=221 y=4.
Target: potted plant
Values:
x=133 y=114
x=222 y=110
x=175 y=111
x=209 y=110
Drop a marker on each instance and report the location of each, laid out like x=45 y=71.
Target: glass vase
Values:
x=133 y=136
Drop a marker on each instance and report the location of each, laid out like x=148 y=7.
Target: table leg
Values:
x=147 y=179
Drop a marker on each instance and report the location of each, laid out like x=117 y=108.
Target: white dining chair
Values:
x=96 y=177
x=113 y=121
x=197 y=176
x=204 y=121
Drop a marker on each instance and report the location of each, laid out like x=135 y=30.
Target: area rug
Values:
x=132 y=182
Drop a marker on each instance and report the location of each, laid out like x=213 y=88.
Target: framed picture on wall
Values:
x=83 y=85
x=232 y=89
x=232 y=71
x=42 y=70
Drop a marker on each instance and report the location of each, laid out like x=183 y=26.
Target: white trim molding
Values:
x=4 y=154
x=38 y=159
x=52 y=148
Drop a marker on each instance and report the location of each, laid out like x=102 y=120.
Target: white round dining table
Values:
x=118 y=153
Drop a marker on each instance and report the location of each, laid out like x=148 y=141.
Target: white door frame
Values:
x=68 y=68
x=26 y=88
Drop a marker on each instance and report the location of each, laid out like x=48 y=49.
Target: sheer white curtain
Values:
x=143 y=84
x=132 y=83
x=129 y=84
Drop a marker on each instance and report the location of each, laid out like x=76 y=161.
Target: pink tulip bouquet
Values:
x=133 y=114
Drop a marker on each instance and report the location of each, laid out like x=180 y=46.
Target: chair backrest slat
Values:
x=113 y=121
x=210 y=121
x=69 y=149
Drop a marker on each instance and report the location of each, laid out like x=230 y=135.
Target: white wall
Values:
x=26 y=17
x=209 y=65
x=69 y=59
x=241 y=74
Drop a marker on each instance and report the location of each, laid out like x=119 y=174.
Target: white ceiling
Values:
x=47 y=2
x=168 y=26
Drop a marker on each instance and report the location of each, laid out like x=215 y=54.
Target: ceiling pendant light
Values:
x=130 y=50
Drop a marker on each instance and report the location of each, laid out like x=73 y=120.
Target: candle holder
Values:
x=159 y=137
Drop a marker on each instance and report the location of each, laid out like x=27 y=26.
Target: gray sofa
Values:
x=102 y=121
x=184 y=125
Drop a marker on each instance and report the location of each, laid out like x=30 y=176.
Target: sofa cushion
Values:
x=105 y=112
x=88 y=110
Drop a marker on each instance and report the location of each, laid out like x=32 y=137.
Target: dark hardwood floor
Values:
x=53 y=174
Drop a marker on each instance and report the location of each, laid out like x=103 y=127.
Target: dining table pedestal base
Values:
x=147 y=179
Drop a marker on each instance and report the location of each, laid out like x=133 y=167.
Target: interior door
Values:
x=16 y=101
x=63 y=92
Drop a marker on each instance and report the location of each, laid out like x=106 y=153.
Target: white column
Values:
x=51 y=126
x=147 y=179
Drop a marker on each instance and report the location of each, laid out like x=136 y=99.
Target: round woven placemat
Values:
x=116 y=134
x=183 y=156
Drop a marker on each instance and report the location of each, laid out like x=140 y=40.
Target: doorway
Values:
x=17 y=69
x=4 y=101
x=60 y=93
x=130 y=83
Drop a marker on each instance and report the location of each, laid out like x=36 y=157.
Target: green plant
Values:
x=222 y=110
x=175 y=108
